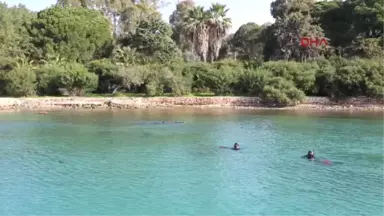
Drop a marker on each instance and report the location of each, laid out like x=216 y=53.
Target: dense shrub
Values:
x=325 y=76
x=252 y=82
x=46 y=79
x=179 y=84
x=107 y=73
x=349 y=81
x=21 y=81
x=228 y=63
x=222 y=81
x=303 y=75
x=207 y=78
x=76 y=79
x=281 y=92
x=373 y=77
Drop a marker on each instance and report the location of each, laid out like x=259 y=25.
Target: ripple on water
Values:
x=115 y=164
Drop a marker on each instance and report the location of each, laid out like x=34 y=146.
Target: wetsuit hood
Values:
x=310 y=155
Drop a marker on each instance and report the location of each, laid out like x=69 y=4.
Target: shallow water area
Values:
x=131 y=163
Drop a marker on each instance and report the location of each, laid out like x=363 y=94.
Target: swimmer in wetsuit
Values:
x=236 y=146
x=310 y=155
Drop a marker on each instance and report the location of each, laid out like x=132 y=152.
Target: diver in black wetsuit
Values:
x=236 y=146
x=310 y=155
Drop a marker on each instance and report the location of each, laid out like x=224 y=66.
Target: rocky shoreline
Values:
x=92 y=103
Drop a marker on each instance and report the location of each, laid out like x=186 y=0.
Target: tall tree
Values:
x=247 y=41
x=152 y=39
x=218 y=25
x=294 y=21
x=71 y=33
x=196 y=27
x=205 y=29
x=14 y=38
x=112 y=9
x=350 y=23
x=177 y=21
x=131 y=16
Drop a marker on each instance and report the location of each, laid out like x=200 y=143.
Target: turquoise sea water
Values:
x=121 y=163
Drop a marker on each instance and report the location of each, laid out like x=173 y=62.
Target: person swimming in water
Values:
x=236 y=146
x=310 y=155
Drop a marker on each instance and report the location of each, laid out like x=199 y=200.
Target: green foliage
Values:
x=348 y=81
x=158 y=80
x=179 y=84
x=20 y=81
x=55 y=78
x=76 y=34
x=359 y=77
x=47 y=77
x=153 y=39
x=373 y=79
x=106 y=70
x=252 y=82
x=14 y=38
x=229 y=64
x=303 y=75
x=75 y=79
x=123 y=48
x=210 y=79
x=248 y=41
x=281 y=92
x=325 y=76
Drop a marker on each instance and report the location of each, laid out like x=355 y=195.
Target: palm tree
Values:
x=218 y=25
x=196 y=28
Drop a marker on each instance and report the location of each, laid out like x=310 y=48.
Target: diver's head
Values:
x=236 y=146
x=310 y=154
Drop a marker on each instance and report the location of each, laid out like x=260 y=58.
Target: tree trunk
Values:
x=201 y=43
x=215 y=42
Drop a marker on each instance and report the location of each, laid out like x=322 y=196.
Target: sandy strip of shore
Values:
x=91 y=103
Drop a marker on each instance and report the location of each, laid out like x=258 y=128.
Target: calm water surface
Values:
x=116 y=163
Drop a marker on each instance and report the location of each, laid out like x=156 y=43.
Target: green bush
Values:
x=281 y=92
x=228 y=63
x=198 y=71
x=208 y=79
x=325 y=76
x=46 y=79
x=161 y=79
x=107 y=72
x=6 y=64
x=303 y=75
x=156 y=79
x=252 y=82
x=222 y=81
x=76 y=79
x=179 y=84
x=19 y=82
x=373 y=77
x=349 y=81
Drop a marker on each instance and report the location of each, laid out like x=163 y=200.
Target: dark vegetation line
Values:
x=125 y=47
